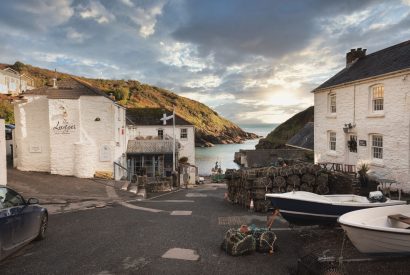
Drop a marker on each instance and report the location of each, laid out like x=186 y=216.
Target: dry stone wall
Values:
x=247 y=184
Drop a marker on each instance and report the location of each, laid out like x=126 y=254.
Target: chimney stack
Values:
x=353 y=55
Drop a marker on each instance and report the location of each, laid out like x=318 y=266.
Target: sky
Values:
x=252 y=61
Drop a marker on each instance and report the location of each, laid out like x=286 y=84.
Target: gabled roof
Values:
x=70 y=88
x=391 y=59
x=303 y=139
x=152 y=116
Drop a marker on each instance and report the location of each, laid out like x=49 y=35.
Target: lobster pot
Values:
x=85 y=156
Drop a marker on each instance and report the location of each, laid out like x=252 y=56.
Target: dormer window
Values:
x=377 y=98
x=332 y=103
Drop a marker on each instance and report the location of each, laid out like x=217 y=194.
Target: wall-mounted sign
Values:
x=105 y=153
x=35 y=149
x=64 y=128
x=362 y=142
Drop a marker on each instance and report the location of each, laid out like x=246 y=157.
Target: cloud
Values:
x=75 y=36
x=251 y=61
x=35 y=14
x=93 y=9
x=146 y=18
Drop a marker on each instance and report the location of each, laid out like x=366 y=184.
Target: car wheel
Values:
x=43 y=227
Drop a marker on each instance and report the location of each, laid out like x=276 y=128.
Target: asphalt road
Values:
x=123 y=240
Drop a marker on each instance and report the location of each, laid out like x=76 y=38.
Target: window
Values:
x=184 y=133
x=332 y=103
x=332 y=141
x=377 y=98
x=9 y=198
x=160 y=133
x=377 y=146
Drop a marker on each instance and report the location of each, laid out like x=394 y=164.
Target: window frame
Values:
x=183 y=133
x=376 y=101
x=160 y=136
x=332 y=109
x=332 y=143
x=376 y=149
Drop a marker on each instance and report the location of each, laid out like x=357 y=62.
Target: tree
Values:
x=18 y=66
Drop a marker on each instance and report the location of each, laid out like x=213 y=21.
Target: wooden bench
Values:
x=400 y=218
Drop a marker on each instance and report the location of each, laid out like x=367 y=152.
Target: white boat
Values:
x=300 y=207
x=382 y=230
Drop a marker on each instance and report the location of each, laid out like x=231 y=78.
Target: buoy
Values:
x=251 y=205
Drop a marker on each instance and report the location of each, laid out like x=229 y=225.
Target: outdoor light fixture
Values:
x=347 y=127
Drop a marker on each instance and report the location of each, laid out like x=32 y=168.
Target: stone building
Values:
x=362 y=114
x=69 y=129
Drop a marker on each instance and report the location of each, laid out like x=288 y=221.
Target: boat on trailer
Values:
x=379 y=231
x=305 y=208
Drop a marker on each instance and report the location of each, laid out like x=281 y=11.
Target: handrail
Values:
x=122 y=167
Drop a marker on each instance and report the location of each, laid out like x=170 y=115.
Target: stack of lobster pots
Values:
x=246 y=185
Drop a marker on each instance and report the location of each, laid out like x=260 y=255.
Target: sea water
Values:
x=206 y=158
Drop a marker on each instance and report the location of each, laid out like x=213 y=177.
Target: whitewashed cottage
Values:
x=12 y=82
x=150 y=142
x=362 y=114
x=69 y=129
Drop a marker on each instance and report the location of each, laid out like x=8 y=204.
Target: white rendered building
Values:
x=150 y=141
x=69 y=129
x=11 y=82
x=362 y=114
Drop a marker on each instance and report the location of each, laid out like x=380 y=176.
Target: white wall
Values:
x=103 y=124
x=32 y=135
x=69 y=136
x=352 y=104
x=3 y=160
x=187 y=145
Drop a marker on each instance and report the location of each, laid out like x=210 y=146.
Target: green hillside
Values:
x=281 y=134
x=210 y=127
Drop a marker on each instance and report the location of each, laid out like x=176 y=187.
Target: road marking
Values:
x=181 y=254
x=176 y=201
x=128 y=205
x=195 y=195
x=134 y=264
x=156 y=196
x=181 y=213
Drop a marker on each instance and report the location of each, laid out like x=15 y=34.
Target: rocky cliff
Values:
x=281 y=134
x=211 y=128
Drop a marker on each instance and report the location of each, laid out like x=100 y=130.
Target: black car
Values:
x=21 y=221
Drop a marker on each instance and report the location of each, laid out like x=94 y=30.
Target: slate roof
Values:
x=151 y=116
x=150 y=146
x=388 y=60
x=303 y=139
x=70 y=88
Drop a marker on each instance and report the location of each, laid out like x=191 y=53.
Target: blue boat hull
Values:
x=310 y=213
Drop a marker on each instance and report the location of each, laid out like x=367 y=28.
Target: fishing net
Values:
x=237 y=243
x=248 y=239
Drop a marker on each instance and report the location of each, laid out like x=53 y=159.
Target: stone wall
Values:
x=247 y=184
